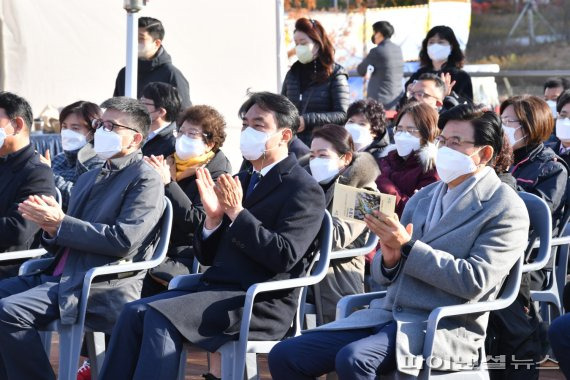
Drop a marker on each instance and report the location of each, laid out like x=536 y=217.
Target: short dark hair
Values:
x=557 y=82
x=383 y=27
x=153 y=27
x=456 y=57
x=137 y=113
x=338 y=136
x=439 y=83
x=286 y=113
x=211 y=121
x=164 y=96
x=487 y=127
x=16 y=106
x=563 y=99
x=86 y=110
x=373 y=111
x=534 y=117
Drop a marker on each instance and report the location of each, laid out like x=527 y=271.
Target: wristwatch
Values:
x=407 y=248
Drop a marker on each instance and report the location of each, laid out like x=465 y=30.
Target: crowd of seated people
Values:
x=457 y=229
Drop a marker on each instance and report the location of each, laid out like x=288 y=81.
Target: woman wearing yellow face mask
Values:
x=201 y=134
x=315 y=83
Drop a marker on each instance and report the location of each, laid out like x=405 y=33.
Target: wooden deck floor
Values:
x=197 y=364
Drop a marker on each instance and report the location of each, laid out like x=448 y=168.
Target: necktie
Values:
x=255 y=177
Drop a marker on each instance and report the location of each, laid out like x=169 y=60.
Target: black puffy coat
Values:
x=319 y=103
x=158 y=69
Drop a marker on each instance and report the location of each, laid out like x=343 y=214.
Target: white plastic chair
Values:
x=507 y=296
x=234 y=353
x=70 y=336
x=28 y=253
x=309 y=310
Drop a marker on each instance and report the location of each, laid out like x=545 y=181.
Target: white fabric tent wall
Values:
x=57 y=52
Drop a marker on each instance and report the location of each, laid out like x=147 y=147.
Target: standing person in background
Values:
x=442 y=55
x=411 y=166
x=163 y=104
x=78 y=155
x=553 y=87
x=367 y=125
x=385 y=83
x=155 y=64
x=316 y=85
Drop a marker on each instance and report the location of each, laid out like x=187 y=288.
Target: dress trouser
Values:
x=353 y=354
x=559 y=334
x=26 y=303
x=144 y=344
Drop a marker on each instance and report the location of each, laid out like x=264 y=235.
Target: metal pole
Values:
x=132 y=7
x=132 y=55
x=280 y=20
x=531 y=26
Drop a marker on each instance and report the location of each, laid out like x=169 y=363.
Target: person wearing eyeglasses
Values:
x=163 y=104
x=78 y=155
x=113 y=216
x=457 y=240
x=410 y=165
x=200 y=137
x=441 y=55
x=429 y=89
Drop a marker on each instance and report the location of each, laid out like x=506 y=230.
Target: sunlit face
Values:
x=321 y=148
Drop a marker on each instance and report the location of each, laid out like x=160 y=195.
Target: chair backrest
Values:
x=318 y=267
x=541 y=226
x=161 y=249
x=565 y=218
x=370 y=245
x=58 y=196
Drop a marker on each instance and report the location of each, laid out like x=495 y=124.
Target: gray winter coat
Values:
x=113 y=215
x=463 y=259
x=385 y=84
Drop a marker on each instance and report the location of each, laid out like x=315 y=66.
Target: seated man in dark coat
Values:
x=112 y=216
x=163 y=104
x=268 y=237
x=21 y=175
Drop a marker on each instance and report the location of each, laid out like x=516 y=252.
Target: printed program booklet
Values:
x=353 y=204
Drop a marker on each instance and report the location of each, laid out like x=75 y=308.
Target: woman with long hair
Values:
x=315 y=83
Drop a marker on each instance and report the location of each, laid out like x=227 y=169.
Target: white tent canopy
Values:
x=58 y=52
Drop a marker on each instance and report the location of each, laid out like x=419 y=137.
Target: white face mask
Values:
x=187 y=148
x=304 y=53
x=361 y=136
x=451 y=164
x=71 y=140
x=2 y=136
x=145 y=50
x=563 y=129
x=252 y=143
x=438 y=52
x=324 y=170
x=510 y=132
x=552 y=105
x=406 y=143
x=107 y=144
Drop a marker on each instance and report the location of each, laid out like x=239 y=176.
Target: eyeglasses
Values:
x=194 y=134
x=451 y=142
x=508 y=121
x=411 y=130
x=420 y=94
x=108 y=125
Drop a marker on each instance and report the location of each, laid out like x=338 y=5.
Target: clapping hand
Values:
x=391 y=233
x=44 y=211
x=446 y=77
x=212 y=207
x=159 y=164
x=230 y=195
x=46 y=159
